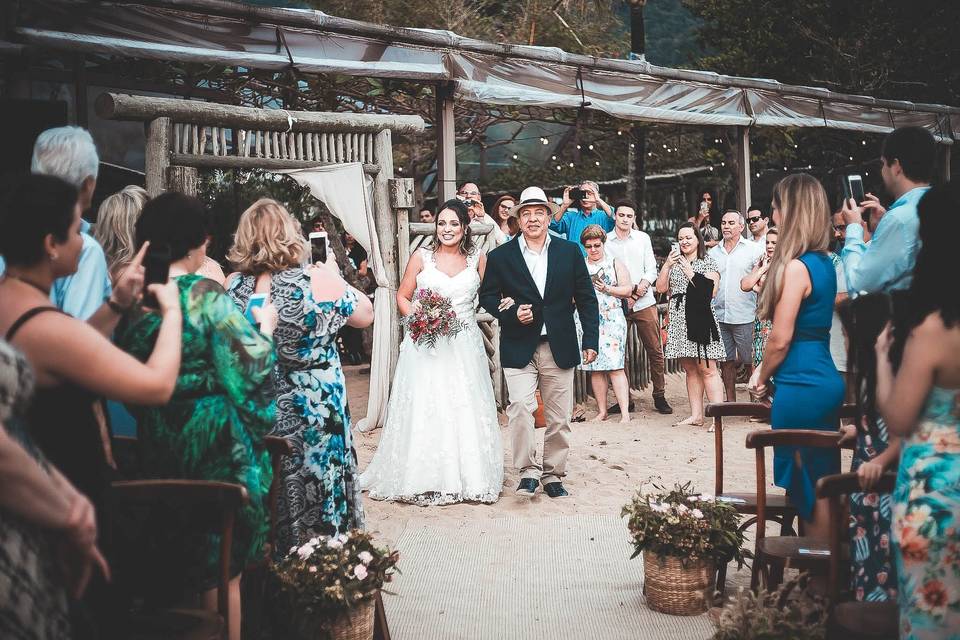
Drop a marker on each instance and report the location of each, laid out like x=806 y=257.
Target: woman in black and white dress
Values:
x=691 y=278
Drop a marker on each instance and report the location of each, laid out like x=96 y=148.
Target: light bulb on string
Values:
x=863 y=142
x=559 y=167
x=723 y=164
x=515 y=156
x=553 y=157
x=632 y=145
x=570 y=165
x=597 y=163
x=649 y=154
x=664 y=146
x=590 y=147
x=851 y=158
x=579 y=147
x=544 y=141
x=758 y=174
x=619 y=132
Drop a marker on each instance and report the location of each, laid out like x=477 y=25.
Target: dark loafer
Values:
x=555 y=490
x=527 y=487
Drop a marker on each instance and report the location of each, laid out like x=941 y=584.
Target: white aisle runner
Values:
x=554 y=578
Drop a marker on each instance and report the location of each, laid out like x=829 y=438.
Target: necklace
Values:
x=44 y=290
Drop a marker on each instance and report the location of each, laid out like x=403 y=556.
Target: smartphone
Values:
x=675 y=247
x=704 y=207
x=853 y=188
x=256 y=301
x=576 y=195
x=156 y=270
x=320 y=246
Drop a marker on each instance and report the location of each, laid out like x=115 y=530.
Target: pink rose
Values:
x=360 y=572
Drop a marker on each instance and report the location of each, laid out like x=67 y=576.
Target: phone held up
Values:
x=319 y=246
x=156 y=270
x=256 y=301
x=853 y=188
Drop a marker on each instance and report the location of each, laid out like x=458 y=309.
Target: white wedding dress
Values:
x=441 y=442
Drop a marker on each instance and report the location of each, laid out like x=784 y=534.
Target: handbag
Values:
x=624 y=302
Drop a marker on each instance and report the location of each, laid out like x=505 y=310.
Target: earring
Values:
x=54 y=256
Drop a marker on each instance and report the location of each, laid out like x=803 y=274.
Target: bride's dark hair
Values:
x=463 y=215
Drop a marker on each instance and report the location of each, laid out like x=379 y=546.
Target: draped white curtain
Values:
x=348 y=193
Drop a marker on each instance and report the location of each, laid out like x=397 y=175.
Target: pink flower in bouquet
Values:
x=433 y=317
x=360 y=572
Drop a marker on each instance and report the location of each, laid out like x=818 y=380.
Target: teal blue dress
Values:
x=809 y=389
x=926 y=521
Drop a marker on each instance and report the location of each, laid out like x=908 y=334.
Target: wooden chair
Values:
x=850 y=620
x=219 y=499
x=780 y=552
x=278 y=448
x=778 y=509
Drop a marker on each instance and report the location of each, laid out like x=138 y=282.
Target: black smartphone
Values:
x=156 y=270
x=853 y=188
x=576 y=195
x=318 y=246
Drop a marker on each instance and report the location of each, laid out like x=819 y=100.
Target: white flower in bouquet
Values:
x=360 y=572
x=365 y=557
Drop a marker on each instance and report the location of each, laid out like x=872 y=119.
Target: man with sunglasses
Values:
x=758 y=223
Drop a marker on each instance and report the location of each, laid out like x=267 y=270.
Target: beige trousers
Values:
x=556 y=391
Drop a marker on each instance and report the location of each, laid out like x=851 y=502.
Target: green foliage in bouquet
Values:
x=325 y=577
x=684 y=524
x=792 y=612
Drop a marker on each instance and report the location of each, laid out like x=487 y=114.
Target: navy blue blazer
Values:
x=568 y=287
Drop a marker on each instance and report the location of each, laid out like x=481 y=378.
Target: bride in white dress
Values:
x=441 y=442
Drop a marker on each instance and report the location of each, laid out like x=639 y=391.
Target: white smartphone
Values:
x=675 y=247
x=256 y=301
x=320 y=246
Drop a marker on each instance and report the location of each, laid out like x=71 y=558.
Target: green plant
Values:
x=324 y=578
x=792 y=612
x=684 y=524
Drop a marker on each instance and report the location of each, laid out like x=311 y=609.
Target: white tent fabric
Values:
x=341 y=187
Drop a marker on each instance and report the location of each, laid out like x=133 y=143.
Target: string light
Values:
x=571 y=165
x=649 y=154
x=597 y=163
x=758 y=174
x=590 y=147
x=796 y=146
x=851 y=158
x=664 y=146
x=544 y=141
x=711 y=168
x=619 y=133
x=579 y=147
x=784 y=168
x=515 y=156
x=559 y=167
x=863 y=142
x=723 y=164
x=553 y=157
x=632 y=145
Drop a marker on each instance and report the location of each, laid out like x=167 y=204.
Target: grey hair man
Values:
x=579 y=211
x=70 y=154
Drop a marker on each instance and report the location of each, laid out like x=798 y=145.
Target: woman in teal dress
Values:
x=213 y=427
x=921 y=402
x=318 y=489
x=798 y=297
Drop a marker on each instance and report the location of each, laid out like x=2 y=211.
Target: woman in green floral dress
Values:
x=213 y=427
x=921 y=402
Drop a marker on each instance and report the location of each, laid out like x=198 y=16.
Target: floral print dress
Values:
x=926 y=521
x=613 y=324
x=318 y=490
x=211 y=429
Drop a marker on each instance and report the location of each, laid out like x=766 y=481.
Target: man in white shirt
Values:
x=634 y=250
x=735 y=309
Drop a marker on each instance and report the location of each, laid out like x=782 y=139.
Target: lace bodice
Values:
x=460 y=288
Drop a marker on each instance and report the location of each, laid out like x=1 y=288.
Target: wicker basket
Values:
x=671 y=588
x=355 y=625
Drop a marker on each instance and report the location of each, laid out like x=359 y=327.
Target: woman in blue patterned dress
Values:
x=318 y=493
x=608 y=366
x=921 y=402
x=798 y=297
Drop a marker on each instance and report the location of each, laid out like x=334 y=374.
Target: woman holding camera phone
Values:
x=213 y=426
x=691 y=277
x=319 y=493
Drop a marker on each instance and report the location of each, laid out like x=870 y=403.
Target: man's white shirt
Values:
x=732 y=305
x=636 y=253
x=537 y=266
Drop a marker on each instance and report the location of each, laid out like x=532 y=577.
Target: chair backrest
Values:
x=718 y=411
x=278 y=448
x=836 y=488
x=220 y=499
x=762 y=438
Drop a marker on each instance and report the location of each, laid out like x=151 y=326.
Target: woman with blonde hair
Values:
x=116 y=225
x=320 y=494
x=798 y=298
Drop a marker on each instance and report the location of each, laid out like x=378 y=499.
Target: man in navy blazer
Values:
x=547 y=279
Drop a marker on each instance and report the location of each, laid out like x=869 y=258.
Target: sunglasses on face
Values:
x=755 y=219
x=839 y=227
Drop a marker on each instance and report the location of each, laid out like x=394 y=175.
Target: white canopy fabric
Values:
x=348 y=193
x=264 y=38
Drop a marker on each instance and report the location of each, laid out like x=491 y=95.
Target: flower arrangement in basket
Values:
x=327 y=586
x=682 y=535
x=432 y=318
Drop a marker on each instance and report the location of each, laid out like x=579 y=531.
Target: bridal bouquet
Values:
x=433 y=318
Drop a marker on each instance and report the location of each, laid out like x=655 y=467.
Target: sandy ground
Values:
x=607 y=463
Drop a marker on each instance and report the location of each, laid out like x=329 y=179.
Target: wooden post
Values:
x=945 y=151
x=743 y=169
x=386 y=224
x=183 y=179
x=446 y=144
x=402 y=201
x=159 y=133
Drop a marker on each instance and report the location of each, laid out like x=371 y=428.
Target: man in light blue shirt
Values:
x=70 y=154
x=886 y=263
x=571 y=221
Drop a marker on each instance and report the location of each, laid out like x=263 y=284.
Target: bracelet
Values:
x=116 y=308
x=633 y=292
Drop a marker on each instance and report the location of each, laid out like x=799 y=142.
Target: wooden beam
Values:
x=945 y=151
x=183 y=179
x=239 y=162
x=401 y=201
x=120 y=106
x=386 y=225
x=446 y=144
x=743 y=169
x=159 y=133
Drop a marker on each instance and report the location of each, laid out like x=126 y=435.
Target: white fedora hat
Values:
x=533 y=196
